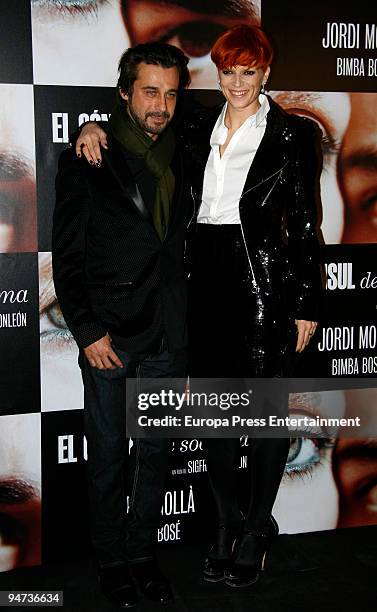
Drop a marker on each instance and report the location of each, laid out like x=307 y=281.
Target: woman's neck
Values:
x=235 y=117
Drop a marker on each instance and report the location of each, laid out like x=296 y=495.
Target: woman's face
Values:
x=241 y=86
x=91 y=35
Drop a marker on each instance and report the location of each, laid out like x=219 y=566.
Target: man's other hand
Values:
x=100 y=355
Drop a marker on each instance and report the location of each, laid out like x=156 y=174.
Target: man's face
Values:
x=153 y=99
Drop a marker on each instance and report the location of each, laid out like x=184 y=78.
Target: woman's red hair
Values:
x=243 y=45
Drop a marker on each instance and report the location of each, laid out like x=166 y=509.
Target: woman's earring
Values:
x=219 y=85
x=263 y=91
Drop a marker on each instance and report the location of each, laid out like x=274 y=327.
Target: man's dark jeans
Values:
x=116 y=537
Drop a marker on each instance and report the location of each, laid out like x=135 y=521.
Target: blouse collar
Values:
x=220 y=131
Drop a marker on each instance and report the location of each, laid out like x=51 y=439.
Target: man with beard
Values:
x=118 y=237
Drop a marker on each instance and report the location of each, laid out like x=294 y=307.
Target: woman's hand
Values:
x=90 y=141
x=305 y=330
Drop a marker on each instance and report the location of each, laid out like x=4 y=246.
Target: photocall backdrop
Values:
x=58 y=69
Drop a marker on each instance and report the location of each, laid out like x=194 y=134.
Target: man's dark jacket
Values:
x=111 y=271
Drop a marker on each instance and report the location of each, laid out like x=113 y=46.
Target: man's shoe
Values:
x=117 y=584
x=151 y=580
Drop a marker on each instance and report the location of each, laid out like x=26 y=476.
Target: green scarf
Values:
x=157 y=155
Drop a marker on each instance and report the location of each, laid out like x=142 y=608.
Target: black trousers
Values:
x=115 y=536
x=233 y=335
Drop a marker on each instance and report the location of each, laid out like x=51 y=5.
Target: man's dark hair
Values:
x=156 y=53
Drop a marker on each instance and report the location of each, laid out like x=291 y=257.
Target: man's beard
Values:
x=142 y=122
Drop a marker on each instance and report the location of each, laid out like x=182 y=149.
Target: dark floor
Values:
x=316 y=572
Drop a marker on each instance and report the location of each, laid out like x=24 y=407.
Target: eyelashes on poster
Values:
x=58 y=349
x=61 y=73
x=66 y=29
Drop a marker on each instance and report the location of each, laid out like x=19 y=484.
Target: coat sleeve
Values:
x=303 y=205
x=69 y=250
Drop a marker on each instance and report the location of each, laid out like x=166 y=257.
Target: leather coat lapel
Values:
x=177 y=168
x=270 y=157
x=119 y=168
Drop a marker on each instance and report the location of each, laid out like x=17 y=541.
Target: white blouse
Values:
x=224 y=177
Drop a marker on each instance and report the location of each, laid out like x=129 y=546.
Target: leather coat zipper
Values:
x=279 y=173
x=193 y=214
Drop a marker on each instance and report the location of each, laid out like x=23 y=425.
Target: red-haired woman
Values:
x=255 y=275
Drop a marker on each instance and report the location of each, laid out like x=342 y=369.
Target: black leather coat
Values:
x=278 y=212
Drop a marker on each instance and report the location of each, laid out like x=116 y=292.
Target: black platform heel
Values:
x=249 y=556
x=219 y=556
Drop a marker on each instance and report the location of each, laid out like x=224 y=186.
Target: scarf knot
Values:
x=157 y=155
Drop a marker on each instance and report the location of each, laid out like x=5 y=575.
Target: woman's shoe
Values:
x=219 y=556
x=249 y=556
